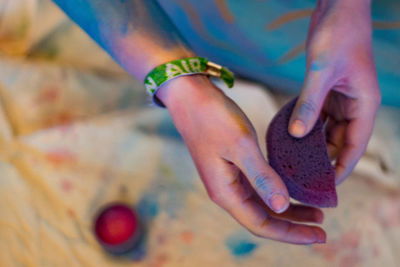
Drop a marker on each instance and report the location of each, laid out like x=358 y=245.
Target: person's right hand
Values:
x=340 y=82
x=224 y=148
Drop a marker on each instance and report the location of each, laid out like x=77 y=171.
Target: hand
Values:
x=340 y=81
x=224 y=148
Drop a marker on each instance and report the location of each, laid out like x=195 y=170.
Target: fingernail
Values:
x=319 y=217
x=278 y=203
x=320 y=236
x=297 y=128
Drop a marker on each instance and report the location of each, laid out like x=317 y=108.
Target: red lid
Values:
x=115 y=224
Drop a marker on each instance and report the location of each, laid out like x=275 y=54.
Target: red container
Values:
x=118 y=229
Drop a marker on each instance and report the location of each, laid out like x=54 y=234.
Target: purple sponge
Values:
x=303 y=164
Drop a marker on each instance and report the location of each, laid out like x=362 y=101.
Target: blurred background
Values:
x=77 y=132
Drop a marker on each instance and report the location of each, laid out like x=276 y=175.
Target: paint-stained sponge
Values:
x=302 y=163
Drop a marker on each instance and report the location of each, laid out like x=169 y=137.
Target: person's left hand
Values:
x=340 y=81
x=225 y=150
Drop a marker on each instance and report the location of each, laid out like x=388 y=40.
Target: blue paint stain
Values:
x=140 y=251
x=319 y=64
x=316 y=66
x=240 y=245
x=148 y=207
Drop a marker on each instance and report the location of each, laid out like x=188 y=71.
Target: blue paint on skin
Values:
x=260 y=180
x=319 y=64
x=249 y=166
x=316 y=66
x=240 y=245
x=261 y=183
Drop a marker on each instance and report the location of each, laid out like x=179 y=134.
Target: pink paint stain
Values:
x=49 y=94
x=350 y=239
x=160 y=260
x=345 y=249
x=64 y=129
x=376 y=252
x=161 y=239
x=329 y=250
x=60 y=156
x=350 y=260
x=388 y=212
x=66 y=186
x=187 y=237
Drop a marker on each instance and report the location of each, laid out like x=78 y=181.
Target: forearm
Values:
x=136 y=33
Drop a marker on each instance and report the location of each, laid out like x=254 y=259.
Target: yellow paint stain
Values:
x=243 y=125
x=198 y=25
x=223 y=9
x=292 y=53
x=288 y=17
x=386 y=25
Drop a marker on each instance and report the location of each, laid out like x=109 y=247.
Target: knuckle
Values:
x=287 y=228
x=217 y=198
x=262 y=228
x=244 y=140
x=244 y=143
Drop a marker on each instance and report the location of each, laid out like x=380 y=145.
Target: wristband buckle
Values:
x=213 y=69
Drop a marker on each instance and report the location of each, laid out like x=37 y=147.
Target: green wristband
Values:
x=186 y=66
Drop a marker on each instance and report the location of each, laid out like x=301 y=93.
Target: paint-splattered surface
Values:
x=76 y=133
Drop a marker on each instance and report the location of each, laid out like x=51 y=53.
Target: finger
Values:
x=358 y=133
x=301 y=213
x=239 y=203
x=221 y=179
x=265 y=181
x=335 y=138
x=295 y=212
x=309 y=104
x=256 y=219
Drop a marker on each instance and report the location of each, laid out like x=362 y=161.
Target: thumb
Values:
x=308 y=106
x=264 y=180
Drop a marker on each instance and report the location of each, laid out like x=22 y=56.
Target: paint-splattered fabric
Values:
x=76 y=132
x=265 y=40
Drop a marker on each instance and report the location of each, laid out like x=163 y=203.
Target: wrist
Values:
x=186 y=90
x=182 y=75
